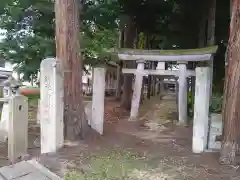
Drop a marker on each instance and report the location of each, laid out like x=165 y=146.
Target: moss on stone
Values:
x=198 y=51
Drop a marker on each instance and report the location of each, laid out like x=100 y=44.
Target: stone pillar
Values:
x=162 y=88
x=18 y=128
x=51 y=105
x=137 y=90
x=201 y=109
x=161 y=65
x=98 y=99
x=182 y=94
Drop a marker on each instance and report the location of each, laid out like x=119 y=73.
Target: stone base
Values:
x=27 y=170
x=215 y=131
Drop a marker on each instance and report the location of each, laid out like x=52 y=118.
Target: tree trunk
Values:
x=67 y=51
x=149 y=82
x=142 y=43
x=119 y=70
x=129 y=38
x=231 y=104
x=119 y=82
x=211 y=36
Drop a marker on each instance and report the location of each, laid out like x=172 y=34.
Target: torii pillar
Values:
x=137 y=91
x=182 y=94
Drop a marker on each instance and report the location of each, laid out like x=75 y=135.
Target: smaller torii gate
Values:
x=140 y=72
x=203 y=86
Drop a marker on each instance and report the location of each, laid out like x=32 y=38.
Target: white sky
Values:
x=7 y=65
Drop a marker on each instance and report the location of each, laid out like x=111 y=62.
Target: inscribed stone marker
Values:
x=98 y=99
x=51 y=106
x=201 y=110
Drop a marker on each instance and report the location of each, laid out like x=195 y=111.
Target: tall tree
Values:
x=29 y=32
x=129 y=38
x=120 y=64
x=231 y=115
x=68 y=52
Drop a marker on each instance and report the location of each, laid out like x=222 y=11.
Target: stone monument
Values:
x=51 y=106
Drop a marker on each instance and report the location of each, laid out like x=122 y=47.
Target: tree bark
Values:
x=67 y=51
x=231 y=115
x=119 y=70
x=141 y=44
x=119 y=82
x=149 y=82
x=129 y=38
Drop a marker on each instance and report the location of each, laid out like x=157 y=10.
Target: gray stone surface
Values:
x=51 y=106
x=18 y=128
x=27 y=170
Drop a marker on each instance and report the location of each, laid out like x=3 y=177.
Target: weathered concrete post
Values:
x=161 y=65
x=201 y=109
x=51 y=105
x=137 y=90
x=18 y=127
x=98 y=99
x=182 y=94
x=162 y=88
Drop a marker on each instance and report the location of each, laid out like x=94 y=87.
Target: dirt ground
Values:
x=152 y=148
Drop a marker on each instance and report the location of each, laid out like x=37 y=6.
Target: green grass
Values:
x=125 y=165
x=113 y=165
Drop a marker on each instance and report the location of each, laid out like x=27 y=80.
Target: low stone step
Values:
x=27 y=170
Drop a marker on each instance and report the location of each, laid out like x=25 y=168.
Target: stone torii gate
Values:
x=202 y=90
x=140 y=72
